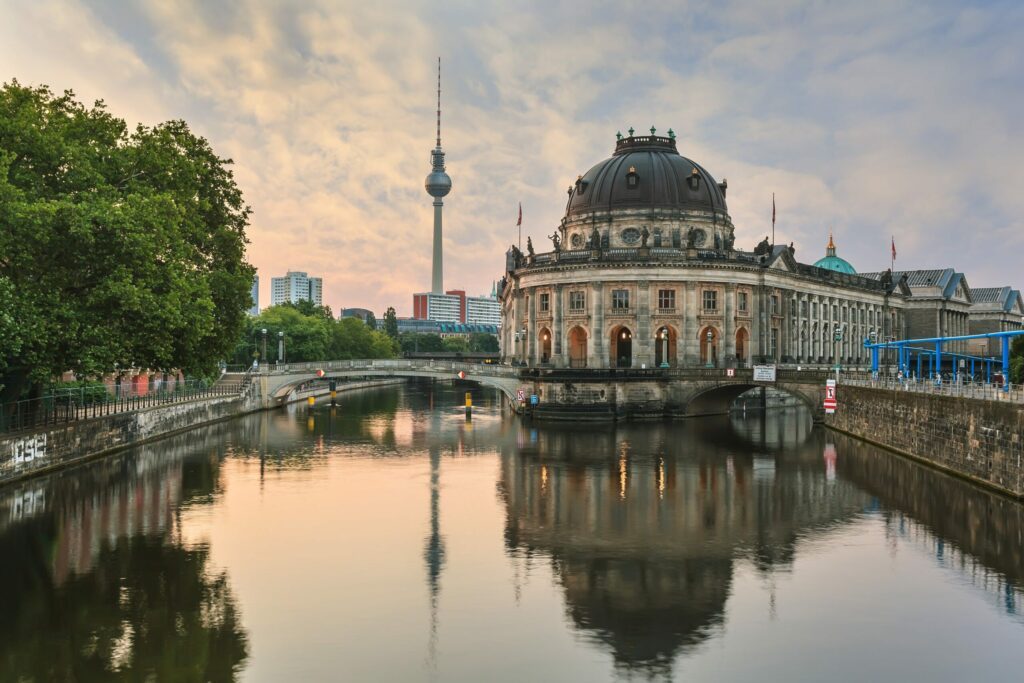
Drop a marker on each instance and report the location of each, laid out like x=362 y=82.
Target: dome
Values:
x=646 y=171
x=833 y=262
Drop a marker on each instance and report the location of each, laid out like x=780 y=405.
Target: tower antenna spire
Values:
x=438 y=101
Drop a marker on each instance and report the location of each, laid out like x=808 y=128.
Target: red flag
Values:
x=520 y=221
x=894 y=248
x=773 y=209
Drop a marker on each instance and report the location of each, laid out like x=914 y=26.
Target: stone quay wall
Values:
x=49 y=448
x=53 y=447
x=980 y=440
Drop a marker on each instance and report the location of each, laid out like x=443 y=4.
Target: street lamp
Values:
x=264 y=355
x=711 y=338
x=280 y=347
x=836 y=338
x=663 y=335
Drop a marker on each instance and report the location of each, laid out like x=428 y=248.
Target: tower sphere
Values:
x=438 y=184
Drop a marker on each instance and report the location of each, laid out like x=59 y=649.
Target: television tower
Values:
x=438 y=184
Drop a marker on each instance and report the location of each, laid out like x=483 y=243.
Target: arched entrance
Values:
x=708 y=340
x=544 y=345
x=665 y=347
x=742 y=339
x=621 y=347
x=577 y=347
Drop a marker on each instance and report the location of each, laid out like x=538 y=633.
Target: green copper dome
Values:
x=833 y=262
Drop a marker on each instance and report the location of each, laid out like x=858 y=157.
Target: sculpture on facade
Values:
x=595 y=239
x=529 y=246
x=763 y=247
x=644 y=235
x=555 y=240
x=691 y=238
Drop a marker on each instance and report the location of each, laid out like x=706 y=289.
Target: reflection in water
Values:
x=643 y=523
x=95 y=580
x=651 y=533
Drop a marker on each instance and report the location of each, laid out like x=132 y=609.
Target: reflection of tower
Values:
x=434 y=552
x=438 y=184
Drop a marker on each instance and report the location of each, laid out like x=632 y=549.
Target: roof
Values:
x=946 y=280
x=840 y=265
x=646 y=171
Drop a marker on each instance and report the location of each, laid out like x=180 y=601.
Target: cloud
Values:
x=874 y=118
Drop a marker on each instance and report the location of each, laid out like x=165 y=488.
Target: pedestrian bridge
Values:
x=611 y=392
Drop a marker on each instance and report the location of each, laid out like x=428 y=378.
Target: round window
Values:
x=630 y=235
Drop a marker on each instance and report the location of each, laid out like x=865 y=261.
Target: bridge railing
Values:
x=397 y=364
x=976 y=390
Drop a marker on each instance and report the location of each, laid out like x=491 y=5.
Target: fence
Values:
x=78 y=403
x=1013 y=393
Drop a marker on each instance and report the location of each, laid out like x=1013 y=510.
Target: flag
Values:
x=520 y=221
x=894 y=248
x=773 y=209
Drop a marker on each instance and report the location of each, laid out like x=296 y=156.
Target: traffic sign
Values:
x=521 y=395
x=730 y=372
x=319 y=373
x=462 y=374
x=830 y=397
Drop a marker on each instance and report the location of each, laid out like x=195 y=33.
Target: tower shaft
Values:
x=437 y=274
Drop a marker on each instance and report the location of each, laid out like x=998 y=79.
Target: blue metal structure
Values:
x=906 y=350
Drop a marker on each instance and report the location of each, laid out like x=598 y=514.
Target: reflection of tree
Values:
x=151 y=610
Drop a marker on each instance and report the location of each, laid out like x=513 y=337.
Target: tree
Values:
x=371 y=321
x=456 y=344
x=391 y=323
x=117 y=249
x=1017 y=360
x=482 y=342
x=413 y=342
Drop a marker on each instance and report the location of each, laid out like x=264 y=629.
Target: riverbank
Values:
x=54 y=447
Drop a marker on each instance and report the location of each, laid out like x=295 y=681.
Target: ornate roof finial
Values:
x=618 y=135
x=831 y=244
x=653 y=130
x=671 y=134
x=630 y=131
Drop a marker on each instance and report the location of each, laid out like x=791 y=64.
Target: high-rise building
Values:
x=455 y=307
x=294 y=287
x=255 y=293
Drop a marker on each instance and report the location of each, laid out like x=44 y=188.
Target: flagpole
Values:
x=773 y=219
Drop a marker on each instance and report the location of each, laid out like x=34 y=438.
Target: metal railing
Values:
x=1013 y=393
x=69 y=404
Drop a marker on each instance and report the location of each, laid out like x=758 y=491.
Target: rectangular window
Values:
x=814 y=309
x=545 y=302
x=620 y=299
x=844 y=313
x=743 y=302
x=666 y=298
x=775 y=304
x=577 y=301
x=774 y=351
x=803 y=309
x=710 y=300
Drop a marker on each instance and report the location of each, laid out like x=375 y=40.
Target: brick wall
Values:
x=980 y=440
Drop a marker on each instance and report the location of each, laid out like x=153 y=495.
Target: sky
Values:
x=880 y=120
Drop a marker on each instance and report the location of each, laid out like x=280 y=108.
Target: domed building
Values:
x=833 y=262
x=644 y=272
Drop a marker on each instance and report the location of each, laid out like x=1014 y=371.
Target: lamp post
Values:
x=711 y=338
x=280 y=347
x=836 y=338
x=264 y=355
x=664 y=347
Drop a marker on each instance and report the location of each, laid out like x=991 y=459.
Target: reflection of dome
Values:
x=646 y=171
x=833 y=262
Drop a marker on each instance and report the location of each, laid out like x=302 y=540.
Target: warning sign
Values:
x=830 y=397
x=521 y=395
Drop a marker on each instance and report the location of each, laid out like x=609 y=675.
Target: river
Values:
x=392 y=539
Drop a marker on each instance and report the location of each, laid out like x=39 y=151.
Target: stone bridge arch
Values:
x=716 y=398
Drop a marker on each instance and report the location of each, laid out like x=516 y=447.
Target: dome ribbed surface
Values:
x=663 y=179
x=835 y=263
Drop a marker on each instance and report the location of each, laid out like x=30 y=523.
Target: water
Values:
x=392 y=540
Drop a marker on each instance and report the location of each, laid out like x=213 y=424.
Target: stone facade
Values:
x=979 y=440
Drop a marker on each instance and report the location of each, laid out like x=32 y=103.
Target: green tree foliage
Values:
x=308 y=337
x=371 y=321
x=391 y=323
x=456 y=344
x=482 y=342
x=118 y=248
x=1017 y=360
x=414 y=342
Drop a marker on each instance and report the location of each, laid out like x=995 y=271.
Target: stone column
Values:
x=730 y=326
x=596 y=357
x=759 y=335
x=557 y=355
x=691 y=350
x=643 y=352
x=531 y=329
x=787 y=322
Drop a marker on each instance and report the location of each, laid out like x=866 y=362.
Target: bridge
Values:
x=567 y=393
